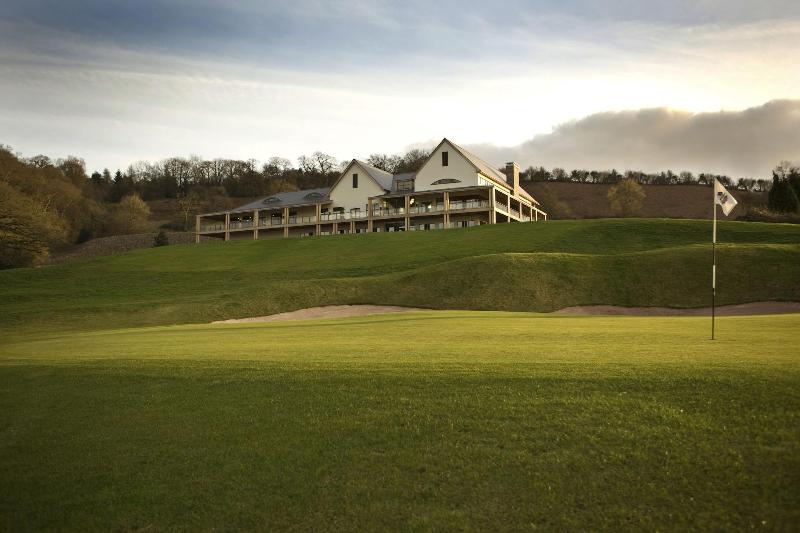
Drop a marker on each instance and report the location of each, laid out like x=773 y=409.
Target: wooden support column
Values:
x=197 y=229
x=255 y=224
x=227 y=226
x=492 y=212
x=335 y=230
x=285 y=222
x=536 y=215
x=318 y=216
x=369 y=215
x=407 y=221
x=352 y=226
x=446 y=210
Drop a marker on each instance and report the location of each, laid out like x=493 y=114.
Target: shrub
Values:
x=131 y=215
x=626 y=198
x=161 y=239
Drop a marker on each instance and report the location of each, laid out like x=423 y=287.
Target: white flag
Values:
x=723 y=198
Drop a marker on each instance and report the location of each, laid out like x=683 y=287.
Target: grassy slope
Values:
x=536 y=267
x=436 y=420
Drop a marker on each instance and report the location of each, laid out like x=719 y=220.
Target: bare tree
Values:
x=325 y=163
x=188 y=204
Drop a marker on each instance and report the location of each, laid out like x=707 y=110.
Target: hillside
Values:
x=429 y=420
x=561 y=200
x=518 y=267
x=589 y=200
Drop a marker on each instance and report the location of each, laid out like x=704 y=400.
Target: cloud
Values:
x=746 y=143
x=116 y=81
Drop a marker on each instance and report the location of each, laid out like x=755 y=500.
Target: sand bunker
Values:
x=341 y=311
x=331 y=311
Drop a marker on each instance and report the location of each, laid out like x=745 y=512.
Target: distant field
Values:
x=514 y=267
x=589 y=200
x=434 y=420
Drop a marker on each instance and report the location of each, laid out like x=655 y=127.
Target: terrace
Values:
x=401 y=211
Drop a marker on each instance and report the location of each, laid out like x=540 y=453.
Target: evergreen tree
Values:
x=161 y=239
x=782 y=196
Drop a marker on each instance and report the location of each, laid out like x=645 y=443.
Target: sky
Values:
x=702 y=85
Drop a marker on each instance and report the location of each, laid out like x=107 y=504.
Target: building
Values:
x=453 y=189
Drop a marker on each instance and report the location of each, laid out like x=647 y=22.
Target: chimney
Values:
x=512 y=176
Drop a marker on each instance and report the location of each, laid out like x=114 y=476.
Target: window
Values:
x=445 y=181
x=444 y=159
x=406 y=185
x=355 y=181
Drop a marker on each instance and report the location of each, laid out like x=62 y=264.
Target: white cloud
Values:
x=474 y=76
x=746 y=143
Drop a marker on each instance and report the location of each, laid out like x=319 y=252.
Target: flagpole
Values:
x=714 y=260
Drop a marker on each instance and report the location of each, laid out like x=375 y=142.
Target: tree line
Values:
x=46 y=204
x=176 y=176
x=668 y=177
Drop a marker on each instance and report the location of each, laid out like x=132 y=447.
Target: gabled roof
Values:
x=485 y=168
x=381 y=177
x=479 y=164
x=286 y=199
x=488 y=170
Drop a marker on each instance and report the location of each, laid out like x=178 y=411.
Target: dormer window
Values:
x=272 y=200
x=355 y=181
x=445 y=181
x=444 y=159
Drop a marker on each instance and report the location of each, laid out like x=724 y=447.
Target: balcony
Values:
x=423 y=209
x=465 y=224
x=501 y=207
x=240 y=224
x=460 y=205
x=337 y=217
x=270 y=222
x=302 y=220
x=212 y=227
x=388 y=211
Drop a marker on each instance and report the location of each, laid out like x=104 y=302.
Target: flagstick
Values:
x=714 y=265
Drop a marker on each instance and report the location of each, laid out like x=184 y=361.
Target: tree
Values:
x=559 y=174
x=131 y=215
x=26 y=233
x=626 y=197
x=782 y=196
x=412 y=161
x=388 y=163
x=161 y=239
x=306 y=164
x=40 y=161
x=188 y=204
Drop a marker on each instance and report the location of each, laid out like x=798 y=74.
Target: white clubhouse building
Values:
x=453 y=189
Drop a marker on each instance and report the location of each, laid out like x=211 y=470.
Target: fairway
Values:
x=505 y=267
x=431 y=420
